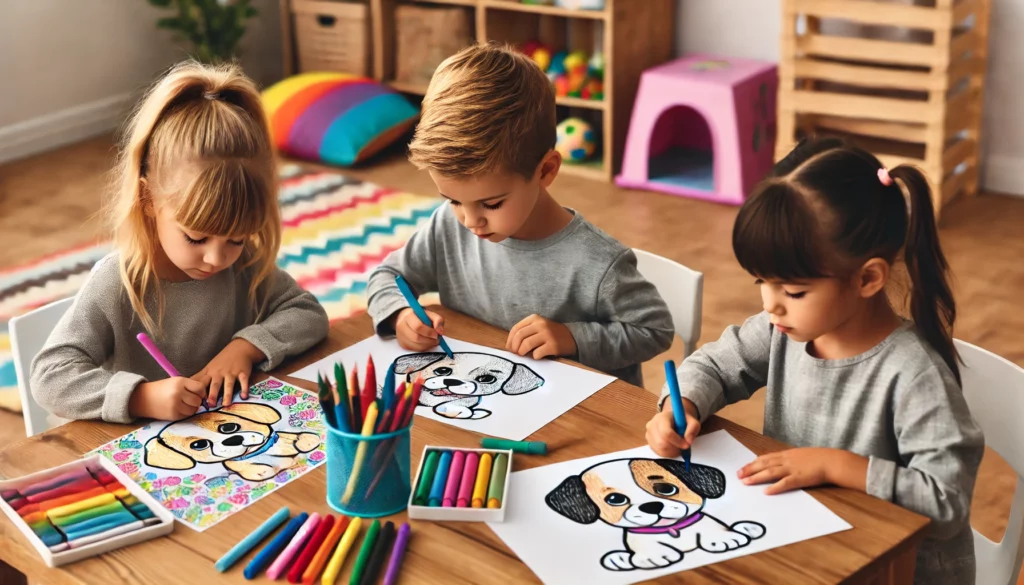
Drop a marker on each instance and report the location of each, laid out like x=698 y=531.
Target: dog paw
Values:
x=453 y=411
x=662 y=557
x=617 y=560
x=306 y=442
x=751 y=529
x=258 y=473
x=723 y=541
x=481 y=413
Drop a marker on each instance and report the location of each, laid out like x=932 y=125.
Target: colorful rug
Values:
x=336 y=231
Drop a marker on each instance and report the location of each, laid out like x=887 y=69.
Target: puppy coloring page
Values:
x=485 y=390
x=219 y=461
x=632 y=516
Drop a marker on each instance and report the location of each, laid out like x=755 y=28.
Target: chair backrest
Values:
x=994 y=390
x=683 y=291
x=28 y=335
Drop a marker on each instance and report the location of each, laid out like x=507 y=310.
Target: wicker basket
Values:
x=426 y=36
x=332 y=36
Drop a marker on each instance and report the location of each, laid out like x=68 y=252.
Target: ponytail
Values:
x=931 y=301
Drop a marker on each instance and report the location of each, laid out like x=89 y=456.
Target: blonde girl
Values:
x=196 y=230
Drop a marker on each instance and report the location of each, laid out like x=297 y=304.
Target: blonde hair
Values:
x=210 y=117
x=488 y=108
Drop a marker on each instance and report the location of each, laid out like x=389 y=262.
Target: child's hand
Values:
x=539 y=338
x=413 y=335
x=170 y=399
x=661 y=430
x=234 y=362
x=806 y=467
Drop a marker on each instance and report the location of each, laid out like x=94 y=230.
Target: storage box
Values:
x=426 y=36
x=332 y=36
x=454 y=513
x=52 y=559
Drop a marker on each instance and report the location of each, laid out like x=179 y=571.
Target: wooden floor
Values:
x=47 y=203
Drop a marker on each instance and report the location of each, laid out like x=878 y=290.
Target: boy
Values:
x=502 y=249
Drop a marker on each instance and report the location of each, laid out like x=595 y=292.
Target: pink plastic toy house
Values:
x=702 y=127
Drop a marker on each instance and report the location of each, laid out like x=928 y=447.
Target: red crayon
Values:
x=68 y=489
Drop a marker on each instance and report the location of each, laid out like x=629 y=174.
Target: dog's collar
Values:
x=673 y=529
x=266 y=447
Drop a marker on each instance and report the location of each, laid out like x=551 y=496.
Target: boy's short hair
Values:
x=489 y=108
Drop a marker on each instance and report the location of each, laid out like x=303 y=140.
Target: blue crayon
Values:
x=123 y=517
x=250 y=542
x=270 y=552
x=440 y=478
x=98 y=528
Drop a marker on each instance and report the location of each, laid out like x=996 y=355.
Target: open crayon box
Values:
x=455 y=512
x=160 y=523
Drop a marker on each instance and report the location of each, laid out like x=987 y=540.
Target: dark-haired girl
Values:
x=868 y=399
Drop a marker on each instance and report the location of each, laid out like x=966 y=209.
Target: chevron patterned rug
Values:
x=336 y=231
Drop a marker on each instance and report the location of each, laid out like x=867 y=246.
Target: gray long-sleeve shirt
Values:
x=897 y=404
x=92 y=361
x=580 y=277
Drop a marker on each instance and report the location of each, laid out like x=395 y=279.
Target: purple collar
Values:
x=673 y=529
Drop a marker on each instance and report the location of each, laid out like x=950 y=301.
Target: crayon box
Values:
x=421 y=510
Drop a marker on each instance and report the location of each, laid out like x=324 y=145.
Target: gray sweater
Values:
x=92 y=361
x=897 y=404
x=580 y=277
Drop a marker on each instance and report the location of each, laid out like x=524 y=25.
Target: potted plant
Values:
x=213 y=27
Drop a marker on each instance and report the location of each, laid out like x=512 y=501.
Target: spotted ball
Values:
x=576 y=140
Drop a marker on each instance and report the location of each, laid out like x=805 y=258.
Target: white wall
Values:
x=750 y=28
x=71 y=69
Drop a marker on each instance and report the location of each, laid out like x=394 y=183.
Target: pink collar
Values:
x=673 y=529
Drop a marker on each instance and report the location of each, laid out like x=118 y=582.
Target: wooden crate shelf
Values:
x=914 y=99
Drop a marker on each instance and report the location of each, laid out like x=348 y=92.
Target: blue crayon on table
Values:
x=440 y=479
x=418 y=309
x=97 y=528
x=678 y=412
x=249 y=542
x=124 y=517
x=269 y=552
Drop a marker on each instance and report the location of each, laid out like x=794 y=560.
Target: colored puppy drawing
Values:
x=239 y=436
x=455 y=387
x=659 y=507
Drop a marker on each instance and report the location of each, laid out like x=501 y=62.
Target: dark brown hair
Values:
x=824 y=211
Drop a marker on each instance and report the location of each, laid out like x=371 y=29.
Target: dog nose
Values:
x=233 y=441
x=652 y=507
x=449 y=382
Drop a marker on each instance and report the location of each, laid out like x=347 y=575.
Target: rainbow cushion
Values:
x=336 y=118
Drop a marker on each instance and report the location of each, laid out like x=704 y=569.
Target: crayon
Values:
x=440 y=478
x=54 y=482
x=265 y=556
x=249 y=542
x=394 y=565
x=483 y=474
x=338 y=558
x=89 y=514
x=324 y=553
x=117 y=531
x=454 y=477
x=311 y=548
x=364 y=552
x=82 y=505
x=67 y=489
x=281 y=563
x=58 y=502
x=124 y=517
x=499 y=472
x=527 y=447
x=468 y=479
x=101 y=527
x=422 y=495
x=380 y=552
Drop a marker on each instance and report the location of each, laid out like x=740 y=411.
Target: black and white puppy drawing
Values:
x=659 y=507
x=454 y=387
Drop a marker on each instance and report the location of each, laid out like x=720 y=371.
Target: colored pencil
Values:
x=338 y=558
x=282 y=561
x=267 y=554
x=353 y=479
x=385 y=422
x=369 y=386
x=324 y=553
x=310 y=549
x=417 y=308
x=355 y=402
x=364 y=553
x=397 y=553
x=249 y=542
x=326 y=398
x=380 y=552
x=468 y=480
x=342 y=412
x=388 y=393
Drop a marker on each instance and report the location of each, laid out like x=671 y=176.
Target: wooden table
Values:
x=880 y=548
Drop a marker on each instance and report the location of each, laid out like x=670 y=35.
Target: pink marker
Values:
x=285 y=558
x=468 y=479
x=454 y=475
x=157 y=355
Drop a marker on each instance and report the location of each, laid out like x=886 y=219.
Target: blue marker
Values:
x=677 y=405
x=270 y=552
x=388 y=393
x=250 y=542
x=418 y=309
x=437 y=489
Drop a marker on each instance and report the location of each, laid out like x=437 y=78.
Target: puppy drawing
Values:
x=239 y=436
x=659 y=507
x=454 y=387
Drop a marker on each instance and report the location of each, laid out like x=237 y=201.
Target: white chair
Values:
x=28 y=335
x=683 y=291
x=994 y=390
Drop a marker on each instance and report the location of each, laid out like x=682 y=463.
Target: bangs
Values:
x=227 y=198
x=776 y=236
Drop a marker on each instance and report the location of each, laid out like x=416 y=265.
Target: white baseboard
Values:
x=1003 y=174
x=62 y=127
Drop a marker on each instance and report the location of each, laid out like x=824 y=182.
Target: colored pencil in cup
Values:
x=326 y=399
x=353 y=479
x=341 y=407
x=369 y=387
x=354 y=400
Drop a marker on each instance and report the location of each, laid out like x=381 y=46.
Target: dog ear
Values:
x=255 y=412
x=707 y=482
x=570 y=499
x=522 y=380
x=415 y=362
x=158 y=454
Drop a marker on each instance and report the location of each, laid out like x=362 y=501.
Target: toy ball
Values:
x=575 y=60
x=557 y=66
x=542 y=57
x=576 y=140
x=561 y=86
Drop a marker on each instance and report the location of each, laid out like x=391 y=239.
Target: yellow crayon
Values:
x=483 y=474
x=334 y=566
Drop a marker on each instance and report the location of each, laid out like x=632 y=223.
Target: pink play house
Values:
x=702 y=127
